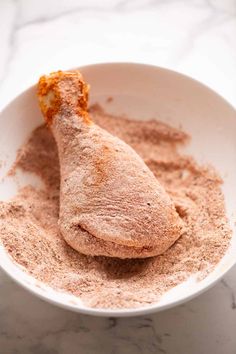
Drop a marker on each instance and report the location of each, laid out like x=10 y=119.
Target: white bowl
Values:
x=140 y=91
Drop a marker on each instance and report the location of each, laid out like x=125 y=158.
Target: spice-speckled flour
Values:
x=29 y=231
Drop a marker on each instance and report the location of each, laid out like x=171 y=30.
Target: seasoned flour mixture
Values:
x=29 y=231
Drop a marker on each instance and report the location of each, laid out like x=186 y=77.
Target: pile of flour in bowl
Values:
x=29 y=229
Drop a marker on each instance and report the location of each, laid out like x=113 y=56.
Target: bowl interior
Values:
x=141 y=92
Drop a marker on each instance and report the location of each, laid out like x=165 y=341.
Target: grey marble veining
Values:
x=196 y=37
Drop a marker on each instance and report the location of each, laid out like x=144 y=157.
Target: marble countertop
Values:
x=195 y=37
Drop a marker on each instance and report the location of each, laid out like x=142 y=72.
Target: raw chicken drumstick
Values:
x=110 y=202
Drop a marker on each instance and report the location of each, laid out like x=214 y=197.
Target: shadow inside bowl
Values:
x=116 y=268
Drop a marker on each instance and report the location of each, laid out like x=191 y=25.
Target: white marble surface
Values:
x=196 y=37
